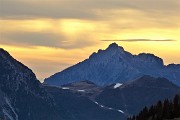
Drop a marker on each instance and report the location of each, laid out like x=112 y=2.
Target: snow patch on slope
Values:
x=109 y=108
x=7 y=114
x=120 y=111
x=65 y=88
x=117 y=85
x=81 y=90
x=9 y=104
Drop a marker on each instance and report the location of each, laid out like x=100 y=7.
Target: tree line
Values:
x=167 y=109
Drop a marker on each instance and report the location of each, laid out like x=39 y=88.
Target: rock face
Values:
x=115 y=65
x=22 y=95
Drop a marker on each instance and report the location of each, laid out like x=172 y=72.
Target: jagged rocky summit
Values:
x=115 y=65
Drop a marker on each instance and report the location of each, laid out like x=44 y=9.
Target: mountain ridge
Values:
x=135 y=95
x=22 y=96
x=113 y=65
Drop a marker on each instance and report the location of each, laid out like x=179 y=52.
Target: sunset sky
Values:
x=51 y=35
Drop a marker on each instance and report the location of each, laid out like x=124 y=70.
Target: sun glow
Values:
x=61 y=33
x=75 y=26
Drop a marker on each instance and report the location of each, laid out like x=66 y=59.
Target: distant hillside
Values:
x=131 y=97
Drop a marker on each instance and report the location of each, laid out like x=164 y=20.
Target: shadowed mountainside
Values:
x=115 y=65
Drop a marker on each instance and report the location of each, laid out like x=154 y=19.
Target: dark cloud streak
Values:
x=141 y=40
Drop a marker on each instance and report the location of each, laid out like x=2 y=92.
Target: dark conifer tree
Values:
x=176 y=106
x=162 y=110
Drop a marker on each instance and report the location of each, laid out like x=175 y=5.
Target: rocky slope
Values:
x=22 y=95
x=115 y=65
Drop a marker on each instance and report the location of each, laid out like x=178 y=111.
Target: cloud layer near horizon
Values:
x=58 y=20
x=68 y=27
x=140 y=40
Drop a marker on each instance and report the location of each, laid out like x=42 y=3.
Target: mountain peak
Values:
x=112 y=49
x=115 y=65
x=1 y=49
x=4 y=56
x=3 y=52
x=151 y=58
x=172 y=65
x=114 y=46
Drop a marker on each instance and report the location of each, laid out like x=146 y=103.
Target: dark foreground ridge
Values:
x=23 y=97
